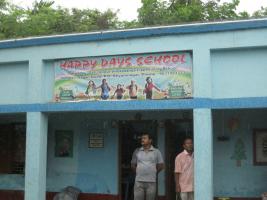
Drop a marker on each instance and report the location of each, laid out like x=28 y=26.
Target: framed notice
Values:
x=260 y=146
x=96 y=140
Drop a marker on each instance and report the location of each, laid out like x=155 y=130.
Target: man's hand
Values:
x=178 y=188
x=160 y=167
x=177 y=184
x=133 y=166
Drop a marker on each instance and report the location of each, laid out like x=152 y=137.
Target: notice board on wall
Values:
x=96 y=140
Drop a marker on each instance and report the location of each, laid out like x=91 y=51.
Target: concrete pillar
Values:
x=202 y=73
x=36 y=80
x=203 y=142
x=36 y=156
x=203 y=154
x=161 y=146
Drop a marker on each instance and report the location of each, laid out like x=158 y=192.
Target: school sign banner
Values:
x=127 y=77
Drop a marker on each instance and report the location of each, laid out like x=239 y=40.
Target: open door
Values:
x=12 y=148
x=176 y=132
x=130 y=135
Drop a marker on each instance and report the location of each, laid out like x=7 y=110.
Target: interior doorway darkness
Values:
x=176 y=132
x=12 y=148
x=130 y=134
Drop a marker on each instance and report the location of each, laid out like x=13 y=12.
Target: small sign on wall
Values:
x=260 y=146
x=96 y=140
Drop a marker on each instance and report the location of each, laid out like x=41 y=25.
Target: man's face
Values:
x=145 y=140
x=188 y=145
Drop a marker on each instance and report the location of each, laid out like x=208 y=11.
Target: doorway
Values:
x=12 y=148
x=176 y=132
x=130 y=134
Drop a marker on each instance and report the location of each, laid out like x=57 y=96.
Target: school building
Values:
x=53 y=133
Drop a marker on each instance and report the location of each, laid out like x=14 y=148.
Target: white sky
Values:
x=128 y=8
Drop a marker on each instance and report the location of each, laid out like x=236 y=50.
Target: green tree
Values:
x=153 y=12
x=44 y=18
x=157 y=12
x=260 y=13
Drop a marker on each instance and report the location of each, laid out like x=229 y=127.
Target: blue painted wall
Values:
x=61 y=172
x=226 y=62
x=14 y=83
x=230 y=180
x=239 y=73
x=98 y=168
x=94 y=170
x=91 y=170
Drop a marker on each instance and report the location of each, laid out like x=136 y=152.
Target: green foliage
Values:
x=153 y=12
x=260 y=13
x=44 y=18
x=156 y=12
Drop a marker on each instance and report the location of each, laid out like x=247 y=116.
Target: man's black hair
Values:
x=187 y=138
x=148 y=134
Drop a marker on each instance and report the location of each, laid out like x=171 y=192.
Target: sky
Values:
x=128 y=8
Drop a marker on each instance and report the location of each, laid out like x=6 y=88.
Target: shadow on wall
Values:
x=90 y=183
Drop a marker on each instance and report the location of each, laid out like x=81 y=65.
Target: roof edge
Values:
x=136 y=33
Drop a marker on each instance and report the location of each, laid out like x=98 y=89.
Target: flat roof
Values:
x=136 y=33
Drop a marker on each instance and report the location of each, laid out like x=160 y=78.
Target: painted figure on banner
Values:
x=133 y=90
x=119 y=92
x=149 y=88
x=105 y=89
x=91 y=89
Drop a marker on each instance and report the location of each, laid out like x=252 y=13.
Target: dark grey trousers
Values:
x=145 y=190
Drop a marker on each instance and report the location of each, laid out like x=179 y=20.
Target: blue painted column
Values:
x=161 y=146
x=36 y=80
x=203 y=142
x=36 y=156
x=203 y=145
x=36 y=138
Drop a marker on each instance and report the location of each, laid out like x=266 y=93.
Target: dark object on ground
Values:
x=68 y=193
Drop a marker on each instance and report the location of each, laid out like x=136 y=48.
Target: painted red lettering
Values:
x=63 y=65
x=94 y=63
x=175 y=58
x=104 y=62
x=121 y=62
x=86 y=63
x=183 y=58
x=157 y=60
x=112 y=61
x=148 y=60
x=77 y=64
x=139 y=61
x=167 y=59
x=128 y=61
x=70 y=65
